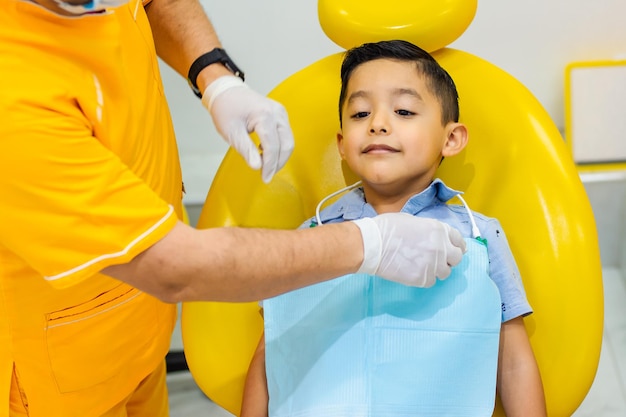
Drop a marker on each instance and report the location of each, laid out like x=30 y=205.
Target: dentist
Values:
x=93 y=256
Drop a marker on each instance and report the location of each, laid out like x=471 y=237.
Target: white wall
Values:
x=607 y=194
x=533 y=40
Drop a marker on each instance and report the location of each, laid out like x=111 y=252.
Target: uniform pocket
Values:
x=92 y=342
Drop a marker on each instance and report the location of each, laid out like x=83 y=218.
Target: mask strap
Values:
x=343 y=190
x=475 y=230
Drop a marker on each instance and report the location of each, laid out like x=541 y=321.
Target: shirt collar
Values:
x=352 y=205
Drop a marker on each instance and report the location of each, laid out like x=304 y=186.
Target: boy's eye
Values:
x=360 y=115
x=404 y=112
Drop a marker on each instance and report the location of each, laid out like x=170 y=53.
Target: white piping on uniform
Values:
x=116 y=254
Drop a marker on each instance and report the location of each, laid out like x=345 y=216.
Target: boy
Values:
x=399 y=118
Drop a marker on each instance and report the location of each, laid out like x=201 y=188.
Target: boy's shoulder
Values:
x=459 y=218
x=462 y=210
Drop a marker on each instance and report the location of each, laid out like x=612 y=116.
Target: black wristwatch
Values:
x=215 y=56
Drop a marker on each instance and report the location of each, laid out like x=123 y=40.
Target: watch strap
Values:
x=217 y=55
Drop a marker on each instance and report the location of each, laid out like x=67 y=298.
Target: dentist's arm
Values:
x=182 y=33
x=237 y=264
x=240 y=264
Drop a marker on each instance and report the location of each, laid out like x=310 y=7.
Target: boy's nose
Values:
x=379 y=123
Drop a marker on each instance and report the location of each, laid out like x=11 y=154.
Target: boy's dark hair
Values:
x=438 y=80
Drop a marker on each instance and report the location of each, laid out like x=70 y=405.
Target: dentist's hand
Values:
x=410 y=250
x=237 y=110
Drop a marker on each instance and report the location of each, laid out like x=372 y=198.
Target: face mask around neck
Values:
x=89 y=7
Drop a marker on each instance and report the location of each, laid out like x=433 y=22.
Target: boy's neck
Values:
x=392 y=202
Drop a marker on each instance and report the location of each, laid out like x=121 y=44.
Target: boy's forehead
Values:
x=387 y=68
x=387 y=73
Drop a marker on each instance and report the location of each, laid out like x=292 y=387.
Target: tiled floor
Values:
x=186 y=399
x=607 y=397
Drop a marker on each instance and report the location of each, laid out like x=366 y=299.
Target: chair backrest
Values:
x=516 y=168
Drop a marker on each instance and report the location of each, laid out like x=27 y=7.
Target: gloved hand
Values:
x=237 y=110
x=410 y=250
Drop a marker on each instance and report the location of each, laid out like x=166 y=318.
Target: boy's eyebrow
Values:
x=395 y=92
x=408 y=91
x=357 y=94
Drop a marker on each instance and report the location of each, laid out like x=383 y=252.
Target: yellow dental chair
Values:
x=516 y=167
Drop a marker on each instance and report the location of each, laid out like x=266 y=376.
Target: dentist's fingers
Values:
x=407 y=249
x=237 y=111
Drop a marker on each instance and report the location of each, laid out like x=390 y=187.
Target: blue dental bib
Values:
x=362 y=346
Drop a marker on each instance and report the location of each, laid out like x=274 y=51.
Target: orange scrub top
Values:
x=89 y=177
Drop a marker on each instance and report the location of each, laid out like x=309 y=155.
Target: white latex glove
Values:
x=237 y=110
x=410 y=250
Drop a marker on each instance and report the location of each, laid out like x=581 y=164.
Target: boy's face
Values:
x=392 y=135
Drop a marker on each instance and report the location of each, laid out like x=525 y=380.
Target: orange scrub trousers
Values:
x=89 y=177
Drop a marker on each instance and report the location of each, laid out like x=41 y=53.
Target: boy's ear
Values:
x=340 y=145
x=456 y=140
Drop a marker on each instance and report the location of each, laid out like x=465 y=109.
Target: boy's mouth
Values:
x=379 y=148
